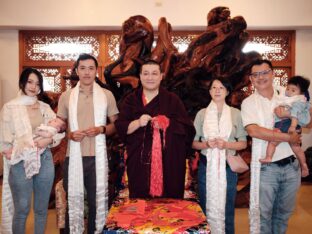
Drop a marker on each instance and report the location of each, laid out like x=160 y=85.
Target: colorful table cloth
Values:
x=155 y=216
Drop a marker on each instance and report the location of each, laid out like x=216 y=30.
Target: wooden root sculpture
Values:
x=217 y=52
x=165 y=52
x=135 y=46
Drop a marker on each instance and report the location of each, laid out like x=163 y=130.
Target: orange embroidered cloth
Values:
x=156 y=216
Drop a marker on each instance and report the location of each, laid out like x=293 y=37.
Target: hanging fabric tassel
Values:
x=159 y=122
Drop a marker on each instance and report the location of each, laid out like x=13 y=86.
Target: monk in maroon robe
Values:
x=141 y=114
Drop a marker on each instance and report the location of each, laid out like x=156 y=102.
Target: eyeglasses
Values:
x=264 y=73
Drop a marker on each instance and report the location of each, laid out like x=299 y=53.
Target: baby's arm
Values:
x=45 y=131
x=282 y=112
x=43 y=136
x=37 y=138
x=293 y=125
x=300 y=111
x=43 y=142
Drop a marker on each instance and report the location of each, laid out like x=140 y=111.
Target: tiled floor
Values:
x=300 y=222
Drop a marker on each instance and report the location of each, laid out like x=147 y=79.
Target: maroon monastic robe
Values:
x=179 y=137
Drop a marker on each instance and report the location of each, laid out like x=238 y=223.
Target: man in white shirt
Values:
x=274 y=185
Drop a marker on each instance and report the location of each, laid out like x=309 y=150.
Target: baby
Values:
x=43 y=134
x=297 y=90
x=53 y=127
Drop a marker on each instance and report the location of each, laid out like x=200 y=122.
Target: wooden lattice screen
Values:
x=54 y=52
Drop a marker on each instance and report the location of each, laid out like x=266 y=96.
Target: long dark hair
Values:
x=25 y=76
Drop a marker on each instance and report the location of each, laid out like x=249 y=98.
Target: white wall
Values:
x=180 y=13
x=304 y=67
x=9 y=69
x=1 y=94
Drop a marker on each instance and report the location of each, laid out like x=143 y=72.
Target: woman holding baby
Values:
x=28 y=163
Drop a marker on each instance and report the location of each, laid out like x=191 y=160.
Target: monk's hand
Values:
x=221 y=144
x=77 y=135
x=294 y=138
x=282 y=112
x=93 y=131
x=212 y=143
x=144 y=119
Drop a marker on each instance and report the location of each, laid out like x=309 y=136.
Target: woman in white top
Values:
x=27 y=168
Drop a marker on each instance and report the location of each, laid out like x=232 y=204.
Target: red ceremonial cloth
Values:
x=159 y=122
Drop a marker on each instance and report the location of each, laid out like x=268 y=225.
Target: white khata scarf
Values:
x=75 y=170
x=257 y=152
x=216 y=165
x=255 y=165
x=23 y=143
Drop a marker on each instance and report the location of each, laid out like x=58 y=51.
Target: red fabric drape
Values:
x=159 y=122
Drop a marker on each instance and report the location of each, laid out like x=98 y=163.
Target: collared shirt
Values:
x=251 y=114
x=85 y=115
